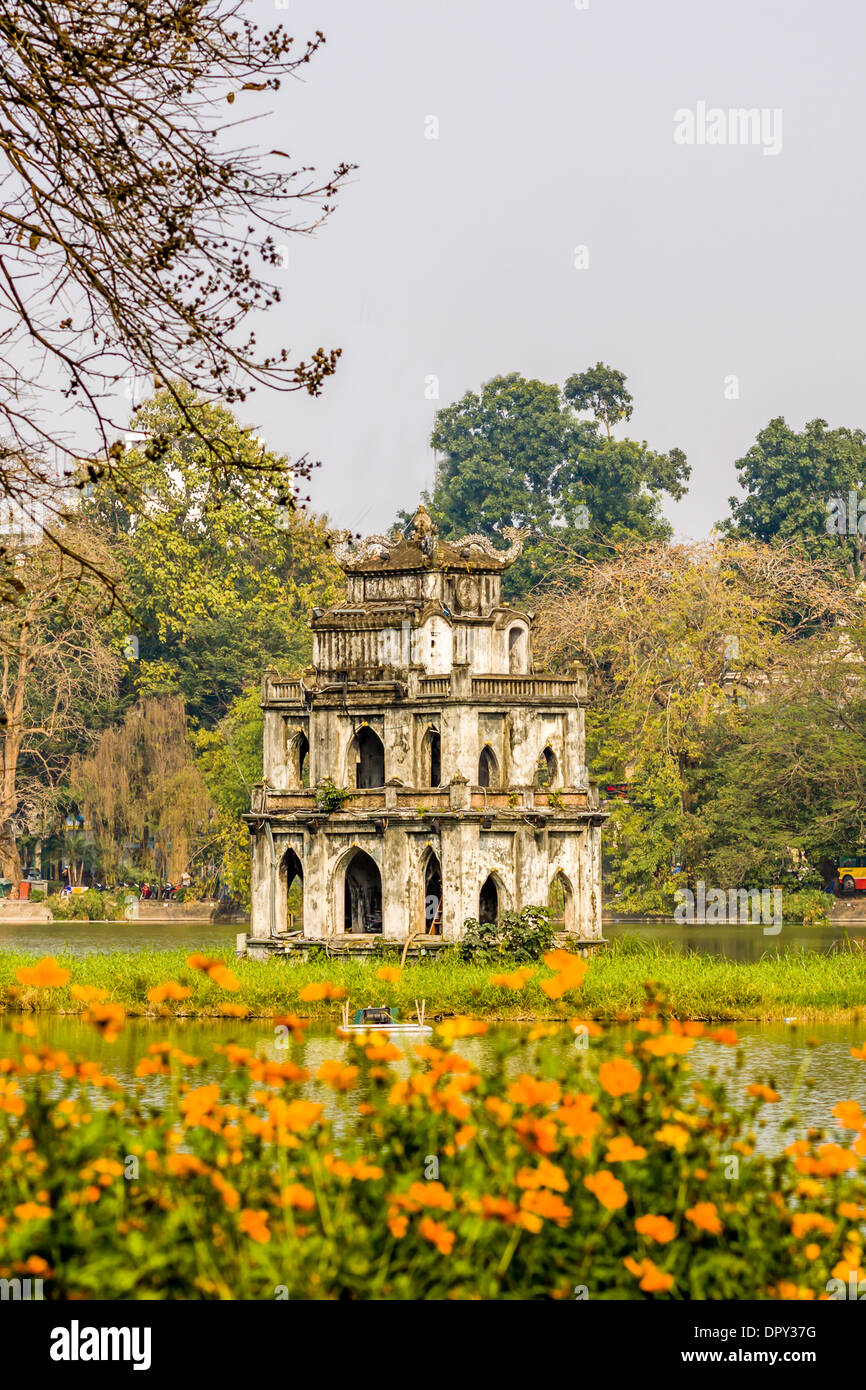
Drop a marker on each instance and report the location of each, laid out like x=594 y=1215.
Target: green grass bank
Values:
x=805 y=984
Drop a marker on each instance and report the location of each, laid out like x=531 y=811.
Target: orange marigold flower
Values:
x=311 y=993
x=45 y=974
x=298 y=1197
x=652 y=1279
x=727 y=1036
x=623 y=1149
x=812 y=1251
x=88 y=994
x=619 y=1077
x=547 y=1174
x=437 y=1234
x=608 y=1189
x=233 y=1010
x=516 y=980
x=459 y=1027
x=566 y=962
x=804 y=1221
x=391 y=974
x=31 y=1211
x=397 y=1226
x=255 y=1225
x=170 y=989
x=335 y=1074
x=851 y=1211
x=225 y=978
x=108 y=1019
x=541 y=1202
x=657 y=1228
x=705 y=1217
x=762 y=1093
x=859 y=1052
x=849 y=1115
x=668 y=1045
x=529 y=1090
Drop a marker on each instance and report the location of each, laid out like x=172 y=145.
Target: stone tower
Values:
x=422 y=772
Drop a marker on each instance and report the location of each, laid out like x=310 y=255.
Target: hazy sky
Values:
x=455 y=257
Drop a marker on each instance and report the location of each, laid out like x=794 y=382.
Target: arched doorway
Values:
x=362 y=895
x=488 y=900
x=369 y=758
x=546 y=770
x=433 y=896
x=560 y=902
x=294 y=880
x=488 y=768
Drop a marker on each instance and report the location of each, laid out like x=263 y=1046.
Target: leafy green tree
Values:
x=230 y=758
x=791 y=479
x=519 y=454
x=220 y=566
x=602 y=390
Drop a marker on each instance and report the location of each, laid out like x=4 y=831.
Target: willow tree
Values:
x=57 y=662
x=142 y=794
x=140 y=225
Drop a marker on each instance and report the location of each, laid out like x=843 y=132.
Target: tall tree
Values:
x=143 y=794
x=220 y=573
x=137 y=232
x=57 y=661
x=518 y=454
x=799 y=487
x=678 y=642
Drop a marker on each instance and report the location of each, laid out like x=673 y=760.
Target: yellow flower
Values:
x=673 y=1136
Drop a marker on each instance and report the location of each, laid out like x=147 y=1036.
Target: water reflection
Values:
x=90 y=938
x=811 y=1067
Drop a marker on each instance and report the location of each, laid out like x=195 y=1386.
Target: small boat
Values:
x=383 y=1019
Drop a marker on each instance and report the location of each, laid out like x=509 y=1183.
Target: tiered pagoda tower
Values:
x=422 y=772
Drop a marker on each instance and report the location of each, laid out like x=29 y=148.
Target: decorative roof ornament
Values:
x=421 y=546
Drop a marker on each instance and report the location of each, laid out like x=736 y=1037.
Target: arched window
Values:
x=302 y=753
x=488 y=900
x=517 y=651
x=488 y=768
x=294 y=872
x=362 y=895
x=546 y=770
x=433 y=896
x=434 y=758
x=369 y=759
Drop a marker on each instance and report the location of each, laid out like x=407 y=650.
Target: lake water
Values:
x=812 y=1068
x=734 y=942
